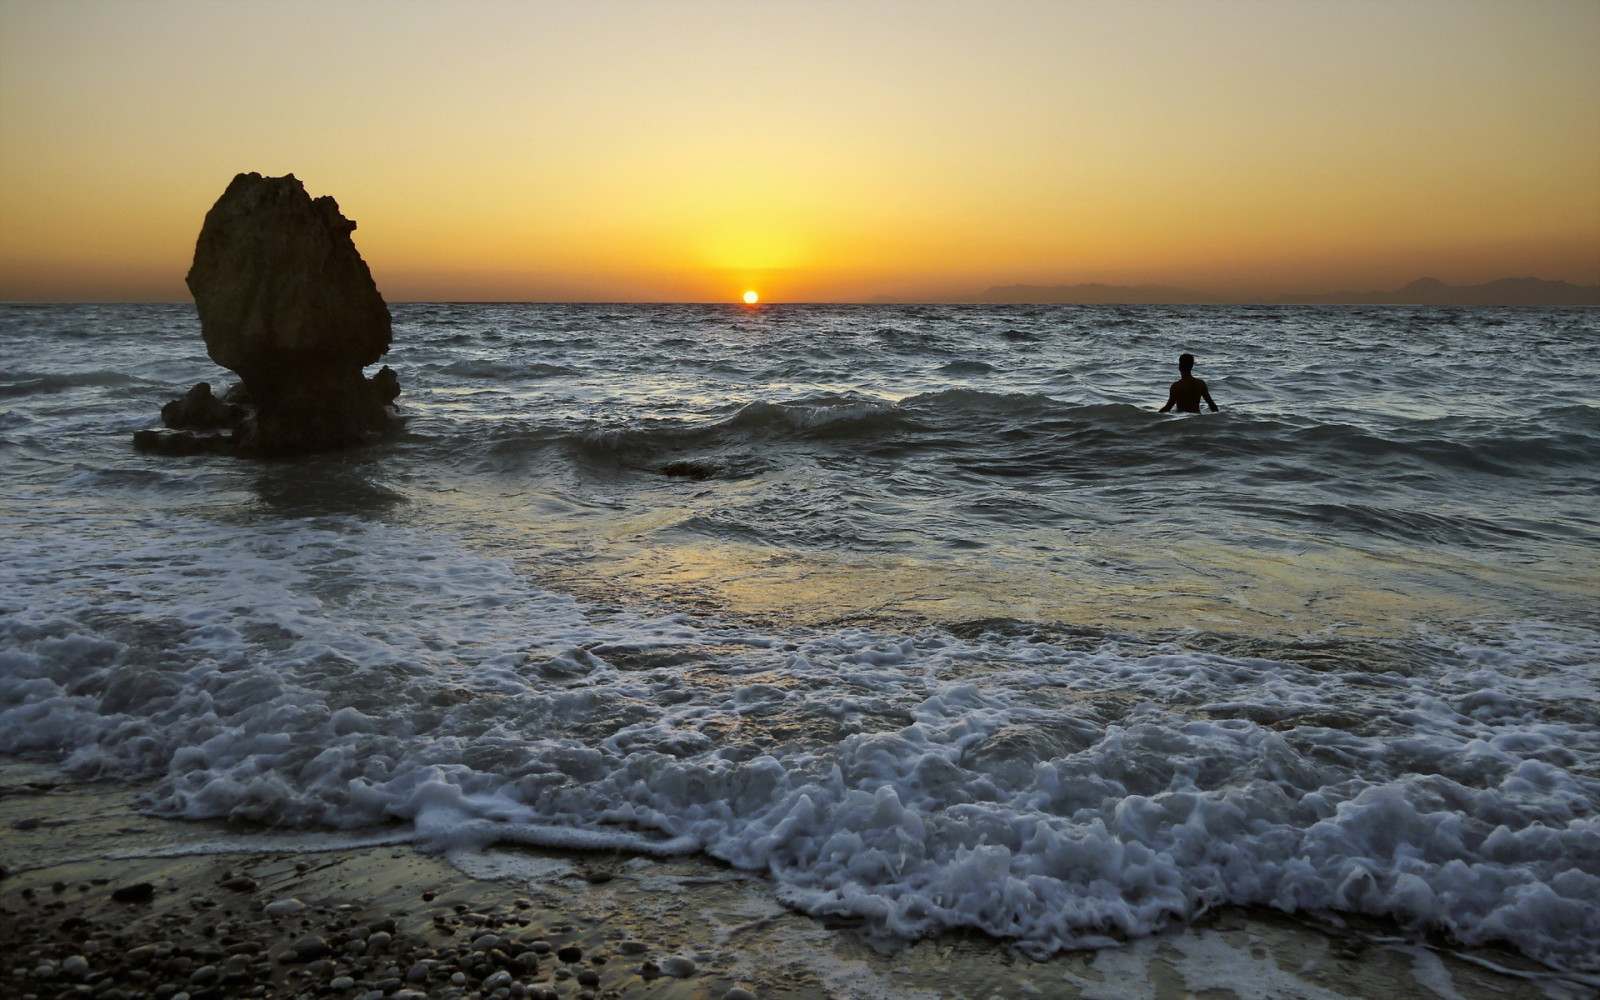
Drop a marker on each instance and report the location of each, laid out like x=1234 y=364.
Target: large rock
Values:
x=286 y=301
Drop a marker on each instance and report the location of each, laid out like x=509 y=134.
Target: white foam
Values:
x=342 y=673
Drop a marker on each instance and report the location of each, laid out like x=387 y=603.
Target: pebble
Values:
x=458 y=978
x=283 y=907
x=311 y=946
x=541 y=945
x=204 y=975
x=633 y=947
x=678 y=967
x=483 y=942
x=140 y=892
x=378 y=940
x=241 y=883
x=588 y=977
x=418 y=973
x=76 y=966
x=341 y=983
x=571 y=953
x=738 y=993
x=499 y=979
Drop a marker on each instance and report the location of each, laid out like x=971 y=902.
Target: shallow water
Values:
x=921 y=610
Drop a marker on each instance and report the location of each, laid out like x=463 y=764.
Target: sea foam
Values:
x=1055 y=795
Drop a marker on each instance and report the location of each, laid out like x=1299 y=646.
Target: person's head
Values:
x=1185 y=363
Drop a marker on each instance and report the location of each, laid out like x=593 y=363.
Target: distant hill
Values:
x=1505 y=292
x=1423 y=292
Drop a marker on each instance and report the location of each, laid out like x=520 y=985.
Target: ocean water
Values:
x=924 y=612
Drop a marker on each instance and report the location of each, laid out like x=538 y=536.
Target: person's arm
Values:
x=1205 y=394
x=1172 y=398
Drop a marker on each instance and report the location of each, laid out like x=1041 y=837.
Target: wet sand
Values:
x=99 y=900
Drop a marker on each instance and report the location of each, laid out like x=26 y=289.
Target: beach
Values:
x=262 y=901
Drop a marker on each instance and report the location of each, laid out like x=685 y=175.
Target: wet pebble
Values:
x=633 y=947
x=678 y=967
x=311 y=946
x=571 y=953
x=341 y=983
x=140 y=892
x=76 y=966
x=588 y=977
x=738 y=993
x=283 y=907
x=496 y=981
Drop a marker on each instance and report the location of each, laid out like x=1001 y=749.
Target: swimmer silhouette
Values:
x=1188 y=391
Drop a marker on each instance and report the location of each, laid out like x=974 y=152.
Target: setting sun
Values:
x=751 y=298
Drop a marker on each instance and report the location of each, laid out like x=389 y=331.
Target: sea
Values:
x=924 y=613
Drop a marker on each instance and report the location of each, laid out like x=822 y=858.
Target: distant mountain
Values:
x=1423 y=292
x=1433 y=292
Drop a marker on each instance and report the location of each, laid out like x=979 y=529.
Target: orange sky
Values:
x=813 y=151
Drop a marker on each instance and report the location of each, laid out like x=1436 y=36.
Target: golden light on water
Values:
x=751 y=298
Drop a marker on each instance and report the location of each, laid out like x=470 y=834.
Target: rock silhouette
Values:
x=285 y=301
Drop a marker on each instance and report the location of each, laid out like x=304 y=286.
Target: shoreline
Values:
x=99 y=900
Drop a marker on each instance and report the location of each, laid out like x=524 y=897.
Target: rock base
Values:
x=318 y=412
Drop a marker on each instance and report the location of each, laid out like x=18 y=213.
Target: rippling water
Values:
x=922 y=610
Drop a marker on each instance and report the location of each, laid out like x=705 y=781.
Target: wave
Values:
x=29 y=383
x=1055 y=795
x=1040 y=433
x=483 y=368
x=659 y=442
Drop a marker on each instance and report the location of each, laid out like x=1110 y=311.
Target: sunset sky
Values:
x=820 y=151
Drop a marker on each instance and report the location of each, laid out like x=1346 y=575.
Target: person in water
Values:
x=1188 y=391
